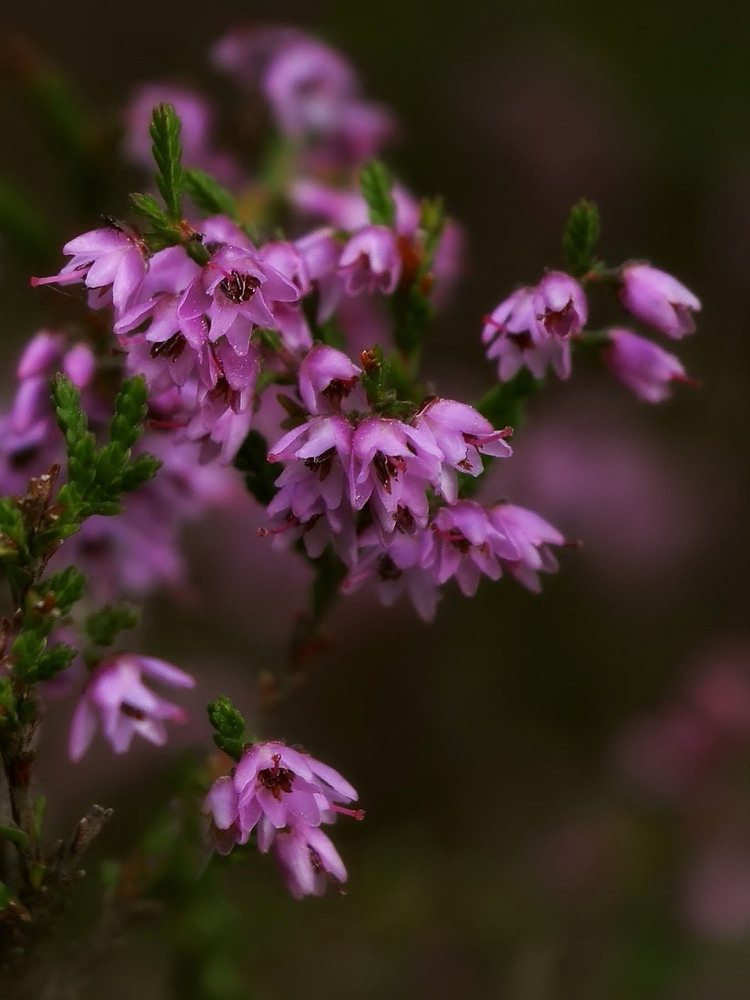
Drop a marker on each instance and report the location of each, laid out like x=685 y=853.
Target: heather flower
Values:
x=468 y=545
x=347 y=210
x=560 y=305
x=532 y=536
x=391 y=466
x=397 y=565
x=371 y=261
x=273 y=787
x=517 y=339
x=658 y=299
x=117 y=699
x=314 y=96
x=326 y=376
x=111 y=262
x=642 y=366
x=29 y=438
x=161 y=350
x=460 y=433
x=305 y=84
x=308 y=860
x=235 y=292
x=312 y=491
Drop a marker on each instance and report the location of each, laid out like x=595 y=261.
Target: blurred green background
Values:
x=503 y=854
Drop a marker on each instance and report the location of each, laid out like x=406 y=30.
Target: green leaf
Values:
x=14 y=835
x=581 y=236
x=53 y=662
x=208 y=195
x=67 y=587
x=376 y=182
x=260 y=474
x=138 y=472
x=149 y=207
x=11 y=525
x=167 y=152
x=104 y=625
x=225 y=718
x=26 y=650
x=229 y=726
x=8 y=714
x=130 y=409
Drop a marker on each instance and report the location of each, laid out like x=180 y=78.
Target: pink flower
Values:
x=642 y=366
x=391 y=466
x=326 y=376
x=371 y=261
x=658 y=299
x=468 y=545
x=111 y=262
x=312 y=498
x=518 y=339
x=275 y=788
x=532 y=536
x=461 y=433
x=308 y=861
x=560 y=305
x=314 y=96
x=235 y=292
x=397 y=564
x=117 y=699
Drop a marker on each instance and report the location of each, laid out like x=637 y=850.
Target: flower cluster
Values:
x=537 y=327
x=312 y=93
x=138 y=551
x=284 y=795
x=295 y=355
x=385 y=491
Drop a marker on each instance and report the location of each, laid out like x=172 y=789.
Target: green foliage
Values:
x=98 y=478
x=103 y=626
x=14 y=835
x=53 y=662
x=376 y=183
x=13 y=541
x=164 y=232
x=208 y=195
x=229 y=725
x=165 y=131
x=581 y=236
x=5 y=897
x=65 y=589
x=33 y=662
x=8 y=713
x=260 y=474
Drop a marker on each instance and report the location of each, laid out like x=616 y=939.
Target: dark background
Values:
x=502 y=855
